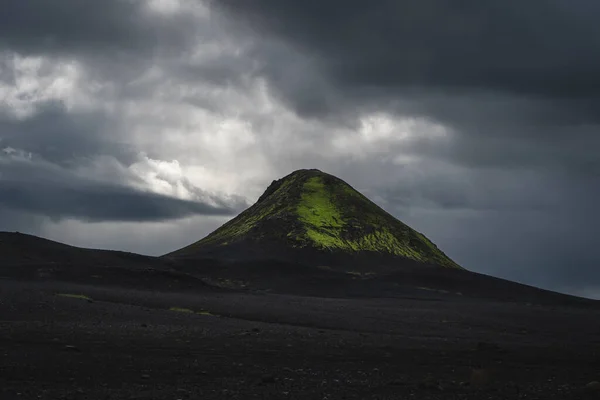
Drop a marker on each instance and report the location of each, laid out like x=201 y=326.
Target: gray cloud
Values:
x=64 y=138
x=99 y=202
x=42 y=156
x=66 y=26
x=541 y=48
x=46 y=190
x=79 y=157
x=517 y=84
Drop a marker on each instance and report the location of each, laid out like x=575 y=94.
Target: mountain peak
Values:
x=312 y=212
x=291 y=181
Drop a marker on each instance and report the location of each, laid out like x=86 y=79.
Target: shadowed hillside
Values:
x=29 y=257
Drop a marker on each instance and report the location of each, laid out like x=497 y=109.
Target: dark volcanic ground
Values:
x=151 y=328
x=128 y=344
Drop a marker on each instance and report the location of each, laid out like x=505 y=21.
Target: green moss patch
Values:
x=182 y=310
x=75 y=296
x=190 y=311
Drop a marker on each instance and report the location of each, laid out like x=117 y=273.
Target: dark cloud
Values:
x=7 y=72
x=99 y=202
x=67 y=26
x=16 y=221
x=42 y=189
x=62 y=137
x=514 y=81
x=38 y=25
x=547 y=48
x=500 y=131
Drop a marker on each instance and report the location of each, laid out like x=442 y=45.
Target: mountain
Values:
x=316 y=218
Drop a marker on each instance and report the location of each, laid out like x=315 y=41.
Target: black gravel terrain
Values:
x=142 y=344
x=114 y=328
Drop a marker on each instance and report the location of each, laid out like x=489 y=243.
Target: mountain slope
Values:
x=311 y=212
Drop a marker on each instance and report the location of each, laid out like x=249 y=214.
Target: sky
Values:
x=143 y=125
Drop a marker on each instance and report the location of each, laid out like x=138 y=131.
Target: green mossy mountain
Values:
x=315 y=212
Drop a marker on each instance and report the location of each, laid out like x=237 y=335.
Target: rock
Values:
x=72 y=348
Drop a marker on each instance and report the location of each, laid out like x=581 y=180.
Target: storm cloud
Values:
x=87 y=27
x=63 y=138
x=37 y=187
x=539 y=48
x=516 y=83
x=474 y=122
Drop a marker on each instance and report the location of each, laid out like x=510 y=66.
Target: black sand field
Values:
x=130 y=344
x=116 y=329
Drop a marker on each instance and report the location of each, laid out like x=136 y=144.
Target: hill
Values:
x=22 y=249
x=321 y=220
x=28 y=257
